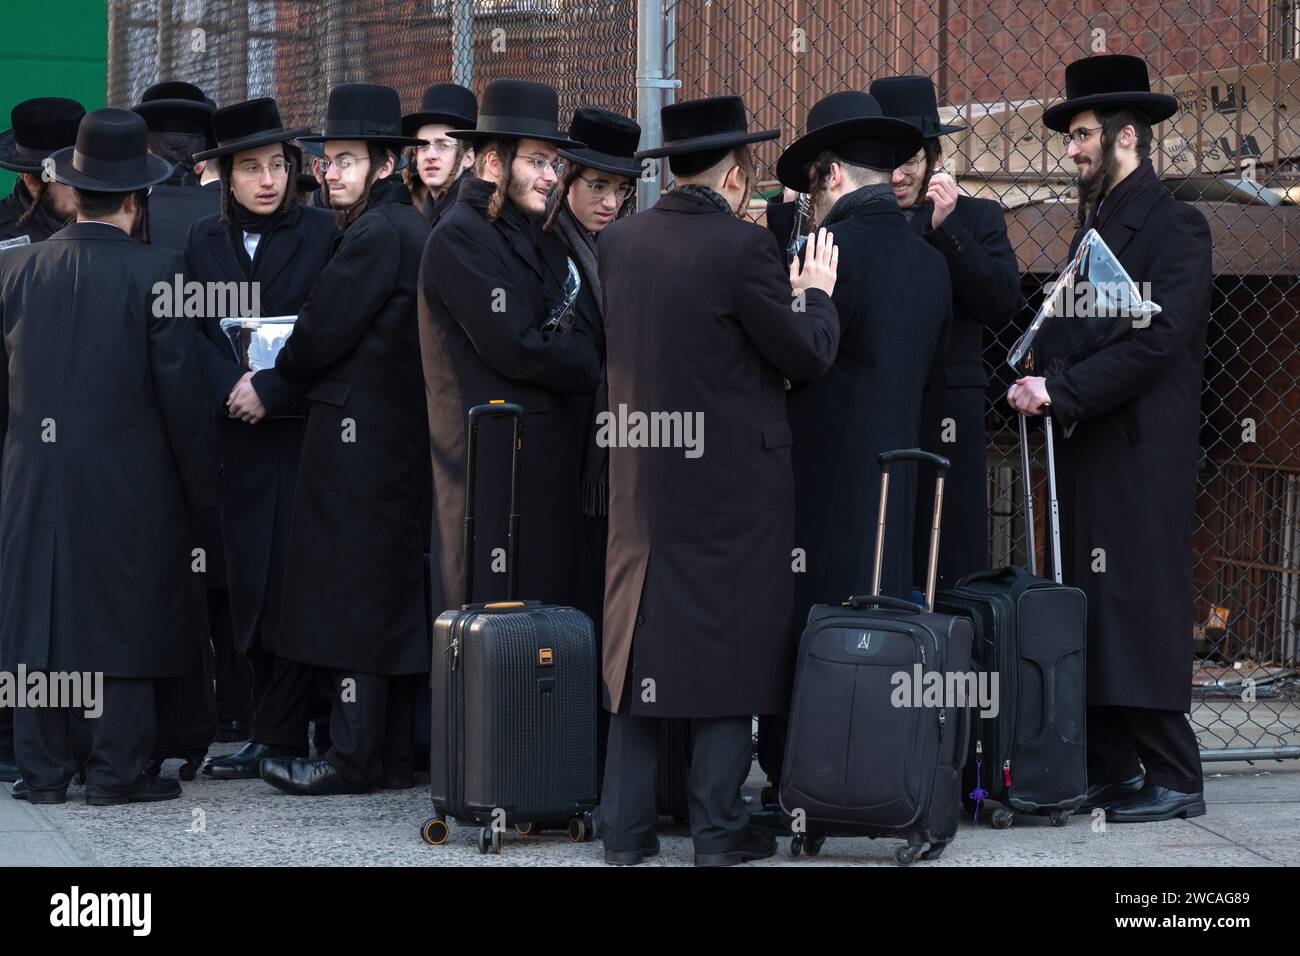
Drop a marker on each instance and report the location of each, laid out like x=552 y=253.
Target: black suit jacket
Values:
x=108 y=446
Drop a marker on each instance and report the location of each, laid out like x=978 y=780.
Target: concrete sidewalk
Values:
x=1253 y=819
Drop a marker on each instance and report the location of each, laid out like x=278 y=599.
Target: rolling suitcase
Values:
x=861 y=759
x=513 y=699
x=1031 y=632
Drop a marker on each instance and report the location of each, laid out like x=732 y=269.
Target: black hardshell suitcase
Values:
x=513 y=699
x=1032 y=633
x=855 y=763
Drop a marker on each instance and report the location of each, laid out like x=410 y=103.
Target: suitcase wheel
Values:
x=813 y=844
x=935 y=851
x=1002 y=818
x=489 y=839
x=435 y=831
x=796 y=844
x=581 y=829
x=905 y=854
x=1060 y=817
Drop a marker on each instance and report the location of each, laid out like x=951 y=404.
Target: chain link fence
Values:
x=1233 y=150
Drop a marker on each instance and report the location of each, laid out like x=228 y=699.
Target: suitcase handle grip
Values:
x=887 y=458
x=860 y=601
x=941 y=466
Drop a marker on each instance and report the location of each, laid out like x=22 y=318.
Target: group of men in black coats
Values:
x=337 y=474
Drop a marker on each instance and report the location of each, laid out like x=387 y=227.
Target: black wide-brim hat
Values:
x=248 y=126
x=1108 y=81
x=176 y=107
x=40 y=127
x=851 y=124
x=365 y=111
x=111 y=154
x=611 y=142
x=448 y=103
x=518 y=109
x=912 y=98
x=705 y=125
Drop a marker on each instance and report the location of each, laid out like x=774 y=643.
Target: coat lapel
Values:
x=1130 y=220
x=271 y=260
x=221 y=239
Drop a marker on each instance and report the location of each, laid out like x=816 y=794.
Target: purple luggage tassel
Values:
x=979 y=793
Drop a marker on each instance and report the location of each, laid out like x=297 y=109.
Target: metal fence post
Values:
x=650 y=86
x=462 y=42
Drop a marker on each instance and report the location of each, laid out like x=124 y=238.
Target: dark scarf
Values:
x=862 y=200
x=1110 y=204
x=433 y=209
x=264 y=225
x=581 y=243
x=706 y=195
x=387 y=190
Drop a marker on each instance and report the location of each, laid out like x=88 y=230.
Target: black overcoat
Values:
x=38 y=228
x=108 y=446
x=699 y=319
x=894 y=301
x=986 y=294
x=485 y=290
x=173 y=208
x=1128 y=467
x=354 y=595
x=259 y=463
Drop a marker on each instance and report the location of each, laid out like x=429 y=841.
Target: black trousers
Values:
x=234 y=693
x=284 y=700
x=371 y=725
x=51 y=742
x=1161 y=740
x=6 y=735
x=721 y=755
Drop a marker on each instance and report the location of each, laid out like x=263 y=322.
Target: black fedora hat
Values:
x=247 y=126
x=368 y=111
x=850 y=123
x=176 y=107
x=448 y=103
x=611 y=141
x=1109 y=80
x=111 y=154
x=40 y=126
x=705 y=125
x=518 y=109
x=912 y=98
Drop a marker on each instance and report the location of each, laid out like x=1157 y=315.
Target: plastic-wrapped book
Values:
x=258 y=341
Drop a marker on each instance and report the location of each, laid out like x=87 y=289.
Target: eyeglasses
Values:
x=913 y=165
x=539 y=163
x=600 y=188
x=278 y=167
x=342 y=165
x=1078 y=136
x=438 y=146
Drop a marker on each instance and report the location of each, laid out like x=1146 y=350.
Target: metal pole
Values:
x=650 y=86
x=462 y=42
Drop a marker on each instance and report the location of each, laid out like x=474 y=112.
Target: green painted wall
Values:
x=52 y=48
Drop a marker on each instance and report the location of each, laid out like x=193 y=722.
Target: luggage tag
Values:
x=979 y=793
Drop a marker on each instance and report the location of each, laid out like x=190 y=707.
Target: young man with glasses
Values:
x=985 y=278
x=262 y=235
x=487 y=289
x=1130 y=406
x=354 y=588
x=437 y=168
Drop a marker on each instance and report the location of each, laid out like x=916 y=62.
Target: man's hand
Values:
x=244 y=403
x=1029 y=395
x=821 y=262
x=943 y=193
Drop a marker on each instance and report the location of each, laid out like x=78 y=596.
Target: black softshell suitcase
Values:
x=513 y=699
x=860 y=761
x=1031 y=632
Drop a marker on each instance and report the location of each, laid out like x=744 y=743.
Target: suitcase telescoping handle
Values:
x=887 y=459
x=493 y=409
x=1053 y=506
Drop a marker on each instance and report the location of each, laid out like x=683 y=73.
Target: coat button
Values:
x=640 y=620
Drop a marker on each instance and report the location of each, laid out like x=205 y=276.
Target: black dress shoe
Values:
x=649 y=847
x=24 y=792
x=20 y=791
x=750 y=845
x=245 y=763
x=396 y=780
x=8 y=771
x=307 y=777
x=1154 y=803
x=146 y=789
x=1100 y=794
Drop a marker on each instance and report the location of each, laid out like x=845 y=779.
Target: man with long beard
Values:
x=1131 y=410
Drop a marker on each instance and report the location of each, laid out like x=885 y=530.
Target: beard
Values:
x=1092 y=185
